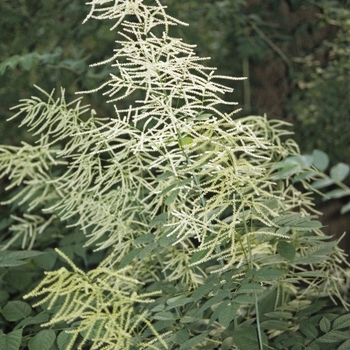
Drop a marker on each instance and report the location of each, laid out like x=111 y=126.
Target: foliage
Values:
x=201 y=238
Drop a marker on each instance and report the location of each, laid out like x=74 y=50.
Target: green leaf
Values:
x=198 y=256
x=274 y=325
x=16 y=310
x=181 y=336
x=26 y=61
x=325 y=325
x=3 y=296
x=334 y=337
x=42 y=340
x=47 y=260
x=13 y=258
x=129 y=257
x=189 y=344
x=227 y=344
x=247 y=338
x=337 y=193
x=308 y=330
x=279 y=314
x=286 y=250
x=11 y=263
x=178 y=302
x=268 y=274
x=191 y=316
x=244 y=299
x=173 y=195
x=37 y=319
x=149 y=237
x=64 y=339
x=11 y=341
x=312 y=308
x=164 y=316
x=339 y=172
x=159 y=220
x=221 y=307
x=203 y=290
x=20 y=254
x=249 y=287
x=213 y=300
x=345 y=208
x=342 y=322
x=147 y=250
x=322 y=183
x=226 y=316
x=312 y=346
x=320 y=160
x=345 y=345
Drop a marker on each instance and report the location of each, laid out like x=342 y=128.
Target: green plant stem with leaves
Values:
x=202 y=241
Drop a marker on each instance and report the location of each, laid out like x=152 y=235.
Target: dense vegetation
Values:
x=161 y=217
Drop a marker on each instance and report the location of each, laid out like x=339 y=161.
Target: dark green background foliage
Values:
x=297 y=53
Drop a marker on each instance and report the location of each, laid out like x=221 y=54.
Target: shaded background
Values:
x=296 y=54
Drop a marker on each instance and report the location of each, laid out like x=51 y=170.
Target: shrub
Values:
x=174 y=226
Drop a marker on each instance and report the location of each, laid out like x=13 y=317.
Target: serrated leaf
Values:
x=226 y=316
x=20 y=254
x=308 y=330
x=189 y=344
x=42 y=340
x=325 y=324
x=16 y=310
x=286 y=250
x=247 y=338
x=11 y=263
x=11 y=341
x=342 y=322
x=334 y=336
x=320 y=160
x=312 y=308
x=339 y=172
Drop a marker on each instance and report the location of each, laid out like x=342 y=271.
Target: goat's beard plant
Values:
x=204 y=235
